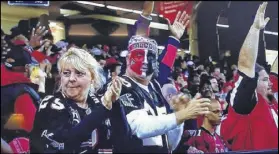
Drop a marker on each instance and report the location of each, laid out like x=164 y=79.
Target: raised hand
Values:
x=148 y=7
x=36 y=35
x=259 y=21
x=113 y=92
x=179 y=25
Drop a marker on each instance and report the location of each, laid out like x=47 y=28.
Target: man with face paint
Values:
x=140 y=120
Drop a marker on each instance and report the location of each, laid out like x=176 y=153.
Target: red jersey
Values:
x=203 y=140
x=39 y=56
x=256 y=131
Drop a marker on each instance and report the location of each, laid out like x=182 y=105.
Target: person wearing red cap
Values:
x=252 y=120
x=19 y=99
x=113 y=67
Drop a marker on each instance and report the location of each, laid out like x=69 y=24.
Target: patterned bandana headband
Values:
x=140 y=42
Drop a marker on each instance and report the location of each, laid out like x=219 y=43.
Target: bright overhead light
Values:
x=119 y=8
x=52 y=24
x=266 y=32
x=224 y=26
x=154 y=14
x=271 y=33
x=136 y=11
x=91 y=3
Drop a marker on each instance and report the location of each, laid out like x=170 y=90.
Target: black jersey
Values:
x=61 y=126
x=134 y=98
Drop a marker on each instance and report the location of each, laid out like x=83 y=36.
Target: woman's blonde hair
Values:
x=82 y=60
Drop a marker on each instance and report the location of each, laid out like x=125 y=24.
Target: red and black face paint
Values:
x=143 y=56
x=143 y=62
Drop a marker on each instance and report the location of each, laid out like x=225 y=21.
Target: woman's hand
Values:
x=113 y=92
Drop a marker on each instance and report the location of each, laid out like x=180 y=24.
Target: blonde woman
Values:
x=70 y=121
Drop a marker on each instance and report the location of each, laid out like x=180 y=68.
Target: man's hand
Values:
x=259 y=21
x=179 y=102
x=179 y=25
x=194 y=108
x=112 y=93
x=36 y=35
x=148 y=7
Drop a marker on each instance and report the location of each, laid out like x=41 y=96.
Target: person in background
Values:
x=38 y=77
x=19 y=99
x=214 y=84
x=41 y=55
x=71 y=120
x=18 y=108
x=251 y=105
x=63 y=46
x=114 y=52
x=122 y=59
x=219 y=76
x=113 y=68
x=205 y=138
x=179 y=81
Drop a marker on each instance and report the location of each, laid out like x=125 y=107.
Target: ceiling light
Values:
x=91 y=3
x=224 y=26
x=271 y=33
x=154 y=14
x=119 y=8
x=136 y=11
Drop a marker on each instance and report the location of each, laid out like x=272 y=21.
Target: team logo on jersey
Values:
x=53 y=143
x=127 y=100
x=75 y=116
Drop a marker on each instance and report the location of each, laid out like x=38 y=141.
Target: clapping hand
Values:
x=179 y=102
x=113 y=92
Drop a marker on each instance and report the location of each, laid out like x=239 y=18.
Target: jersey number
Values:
x=56 y=104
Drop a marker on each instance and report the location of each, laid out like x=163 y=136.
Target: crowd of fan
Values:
x=42 y=59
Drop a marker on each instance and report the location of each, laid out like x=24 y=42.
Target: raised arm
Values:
x=243 y=97
x=249 y=50
x=141 y=26
x=167 y=57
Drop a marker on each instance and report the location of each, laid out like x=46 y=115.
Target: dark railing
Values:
x=251 y=152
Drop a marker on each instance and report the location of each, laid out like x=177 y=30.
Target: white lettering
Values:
x=57 y=105
x=44 y=102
